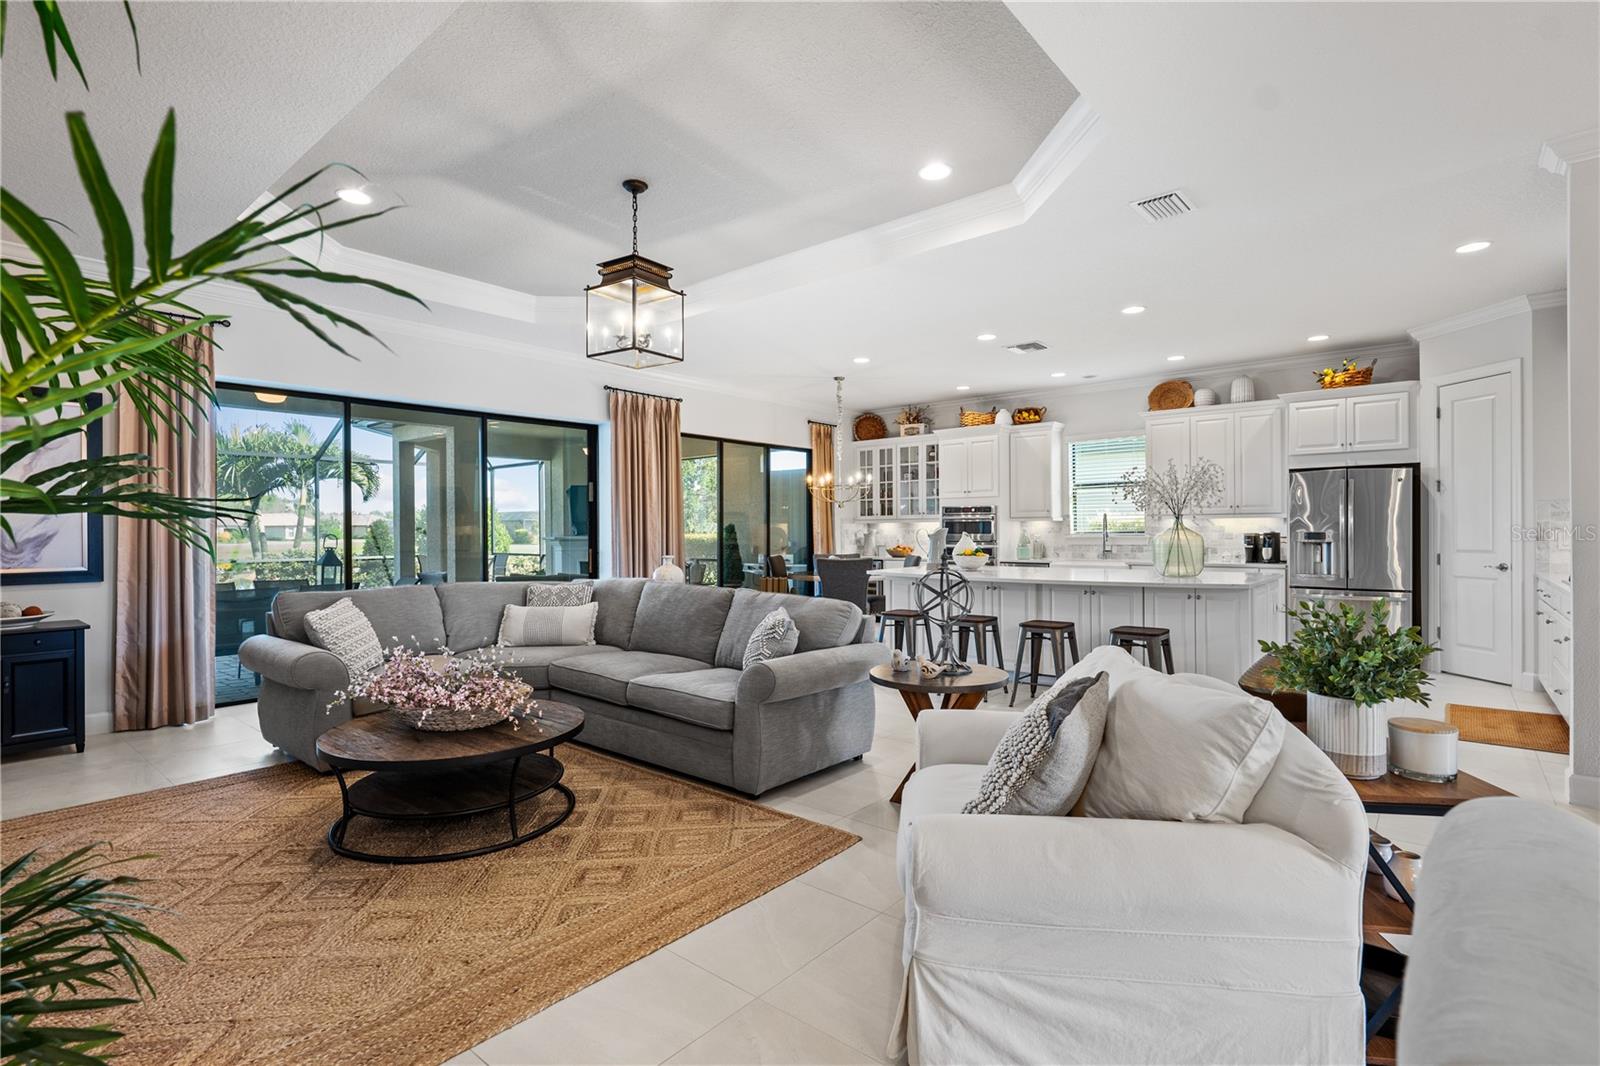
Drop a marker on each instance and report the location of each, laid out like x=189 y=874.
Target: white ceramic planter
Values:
x=1354 y=736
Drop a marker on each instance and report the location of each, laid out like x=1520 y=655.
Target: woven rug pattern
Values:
x=1509 y=729
x=298 y=955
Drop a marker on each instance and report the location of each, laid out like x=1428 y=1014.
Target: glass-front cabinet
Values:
x=905 y=479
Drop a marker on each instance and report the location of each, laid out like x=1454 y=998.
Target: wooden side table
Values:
x=960 y=692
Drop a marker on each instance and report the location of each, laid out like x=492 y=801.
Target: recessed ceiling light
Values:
x=1059 y=374
x=359 y=197
x=986 y=336
x=271 y=397
x=861 y=360
x=963 y=388
x=1317 y=338
x=935 y=171
x=1472 y=246
x=1174 y=358
x=1133 y=309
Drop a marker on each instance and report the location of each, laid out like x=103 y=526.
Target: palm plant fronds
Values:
x=69 y=931
x=67 y=336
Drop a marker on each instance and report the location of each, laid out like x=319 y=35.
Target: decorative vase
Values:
x=1243 y=390
x=1355 y=736
x=1205 y=397
x=669 y=570
x=1179 y=551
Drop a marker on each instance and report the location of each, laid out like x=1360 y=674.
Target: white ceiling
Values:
x=1336 y=153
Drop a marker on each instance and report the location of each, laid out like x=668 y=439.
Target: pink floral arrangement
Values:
x=442 y=691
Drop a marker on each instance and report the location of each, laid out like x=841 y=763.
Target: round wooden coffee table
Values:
x=422 y=776
x=955 y=691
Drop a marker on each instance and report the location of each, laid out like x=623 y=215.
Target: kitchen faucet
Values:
x=1105 y=535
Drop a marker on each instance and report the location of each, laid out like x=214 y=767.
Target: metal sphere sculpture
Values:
x=944 y=594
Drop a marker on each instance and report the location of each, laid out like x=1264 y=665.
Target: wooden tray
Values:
x=1171 y=396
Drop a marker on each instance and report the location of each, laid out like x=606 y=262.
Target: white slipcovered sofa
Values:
x=1110 y=940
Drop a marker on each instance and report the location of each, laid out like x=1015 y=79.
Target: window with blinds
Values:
x=1095 y=472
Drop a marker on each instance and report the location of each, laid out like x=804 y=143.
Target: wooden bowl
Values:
x=1171 y=396
x=870 y=427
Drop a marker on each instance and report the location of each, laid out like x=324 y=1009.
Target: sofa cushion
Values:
x=405 y=614
x=533 y=664
x=473 y=609
x=700 y=697
x=619 y=603
x=606 y=677
x=1183 y=751
x=941 y=789
x=821 y=623
x=685 y=620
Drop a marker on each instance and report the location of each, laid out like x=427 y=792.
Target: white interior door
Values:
x=1474 y=508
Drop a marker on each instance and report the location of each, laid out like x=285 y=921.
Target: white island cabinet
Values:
x=1216 y=618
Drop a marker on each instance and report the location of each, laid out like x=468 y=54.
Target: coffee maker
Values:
x=1252 y=547
x=1271 y=548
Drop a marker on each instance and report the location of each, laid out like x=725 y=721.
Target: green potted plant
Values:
x=1355 y=671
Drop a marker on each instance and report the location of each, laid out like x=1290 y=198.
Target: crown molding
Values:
x=1560 y=153
x=1541 y=301
x=1517 y=305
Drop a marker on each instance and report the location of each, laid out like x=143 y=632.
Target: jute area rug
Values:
x=296 y=955
x=1509 y=729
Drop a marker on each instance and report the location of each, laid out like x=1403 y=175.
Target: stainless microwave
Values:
x=979 y=523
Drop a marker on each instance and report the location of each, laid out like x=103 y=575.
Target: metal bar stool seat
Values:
x=1150 y=638
x=1033 y=634
x=905 y=623
x=980 y=628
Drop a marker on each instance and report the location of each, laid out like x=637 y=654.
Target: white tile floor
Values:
x=806 y=974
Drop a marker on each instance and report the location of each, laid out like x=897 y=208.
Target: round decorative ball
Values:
x=1204 y=397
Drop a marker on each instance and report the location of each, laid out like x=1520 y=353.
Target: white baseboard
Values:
x=97 y=722
x=1528 y=682
x=1583 y=790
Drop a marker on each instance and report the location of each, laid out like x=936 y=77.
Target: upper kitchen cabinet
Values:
x=1035 y=475
x=1375 y=421
x=969 y=465
x=905 y=478
x=1245 y=440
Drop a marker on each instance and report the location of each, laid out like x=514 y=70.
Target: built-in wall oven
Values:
x=975 y=522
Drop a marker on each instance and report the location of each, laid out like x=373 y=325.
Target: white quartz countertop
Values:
x=1143 y=576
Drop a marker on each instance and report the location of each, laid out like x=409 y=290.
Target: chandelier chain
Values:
x=635 y=223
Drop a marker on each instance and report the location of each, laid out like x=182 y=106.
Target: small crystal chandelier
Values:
x=826 y=488
x=634 y=317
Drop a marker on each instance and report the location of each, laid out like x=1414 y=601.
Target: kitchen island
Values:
x=1216 y=617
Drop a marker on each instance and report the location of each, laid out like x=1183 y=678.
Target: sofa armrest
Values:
x=968 y=737
x=809 y=672
x=288 y=662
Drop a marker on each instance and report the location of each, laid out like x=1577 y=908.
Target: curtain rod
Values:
x=636 y=392
x=814 y=422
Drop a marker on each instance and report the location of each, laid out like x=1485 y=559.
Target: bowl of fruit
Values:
x=900 y=551
x=17 y=616
x=971 y=560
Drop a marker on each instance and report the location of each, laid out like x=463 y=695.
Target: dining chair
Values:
x=846 y=579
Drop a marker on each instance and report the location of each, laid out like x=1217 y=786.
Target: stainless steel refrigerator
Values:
x=1354 y=537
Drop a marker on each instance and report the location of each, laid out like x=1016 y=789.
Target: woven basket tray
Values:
x=1024 y=416
x=1361 y=375
x=1171 y=396
x=978 y=418
x=440 y=720
x=870 y=427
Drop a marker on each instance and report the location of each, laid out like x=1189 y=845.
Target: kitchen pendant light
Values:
x=634 y=317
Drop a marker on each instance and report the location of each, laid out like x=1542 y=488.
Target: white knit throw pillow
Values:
x=774 y=636
x=1043 y=762
x=344 y=629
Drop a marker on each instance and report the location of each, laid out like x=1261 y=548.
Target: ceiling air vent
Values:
x=1025 y=346
x=1160 y=208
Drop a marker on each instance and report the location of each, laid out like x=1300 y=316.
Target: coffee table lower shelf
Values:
x=430 y=795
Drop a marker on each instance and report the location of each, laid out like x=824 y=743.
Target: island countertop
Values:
x=1138 y=576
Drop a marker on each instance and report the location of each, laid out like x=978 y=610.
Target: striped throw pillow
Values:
x=773 y=637
x=547 y=627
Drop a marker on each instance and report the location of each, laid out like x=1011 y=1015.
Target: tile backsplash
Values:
x=1552 y=551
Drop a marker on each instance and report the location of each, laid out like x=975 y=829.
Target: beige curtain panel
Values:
x=646 y=482
x=822 y=512
x=166 y=615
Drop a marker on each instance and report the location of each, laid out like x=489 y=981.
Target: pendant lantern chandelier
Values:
x=829 y=487
x=634 y=317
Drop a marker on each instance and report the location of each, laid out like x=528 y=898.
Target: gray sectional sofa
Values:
x=661 y=684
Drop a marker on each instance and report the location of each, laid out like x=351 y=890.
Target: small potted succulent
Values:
x=1356 y=672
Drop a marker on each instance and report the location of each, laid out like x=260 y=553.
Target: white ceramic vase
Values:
x=1355 y=736
x=1243 y=390
x=669 y=570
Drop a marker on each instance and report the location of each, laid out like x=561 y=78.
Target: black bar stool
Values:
x=1035 y=633
x=980 y=627
x=1147 y=637
x=905 y=629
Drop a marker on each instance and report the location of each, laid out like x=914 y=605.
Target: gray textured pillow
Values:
x=344 y=629
x=547 y=627
x=1042 y=763
x=774 y=636
x=559 y=594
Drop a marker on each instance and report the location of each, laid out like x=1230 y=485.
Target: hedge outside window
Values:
x=1095 y=469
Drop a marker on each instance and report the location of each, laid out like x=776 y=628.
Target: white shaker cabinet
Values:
x=1316 y=426
x=1260 y=472
x=1244 y=440
x=1035 y=474
x=1012 y=603
x=1093 y=611
x=969 y=468
x=1363 y=418
x=1378 y=423
x=1206 y=627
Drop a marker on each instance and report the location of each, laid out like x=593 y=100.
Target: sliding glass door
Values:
x=741 y=503
x=424 y=496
